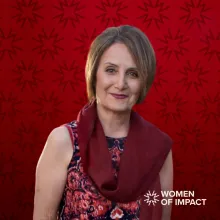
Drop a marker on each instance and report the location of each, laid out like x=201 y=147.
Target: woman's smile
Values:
x=119 y=96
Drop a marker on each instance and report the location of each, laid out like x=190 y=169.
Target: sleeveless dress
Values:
x=81 y=199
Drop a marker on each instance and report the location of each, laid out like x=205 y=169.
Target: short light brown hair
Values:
x=140 y=48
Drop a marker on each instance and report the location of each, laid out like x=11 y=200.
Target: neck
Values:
x=115 y=124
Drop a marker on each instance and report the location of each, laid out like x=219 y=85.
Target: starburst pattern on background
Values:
x=70 y=75
x=70 y=11
x=208 y=169
x=27 y=137
x=111 y=12
x=211 y=48
x=27 y=75
x=154 y=13
x=195 y=13
x=48 y=107
x=191 y=137
x=83 y=41
x=48 y=44
x=9 y=216
x=159 y=80
x=210 y=108
x=9 y=106
x=174 y=44
x=10 y=168
x=171 y=107
x=143 y=108
x=193 y=76
x=26 y=193
x=8 y=44
x=79 y=100
x=27 y=12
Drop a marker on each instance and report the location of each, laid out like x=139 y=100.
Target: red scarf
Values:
x=146 y=149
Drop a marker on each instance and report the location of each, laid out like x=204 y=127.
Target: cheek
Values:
x=136 y=88
x=103 y=81
x=99 y=81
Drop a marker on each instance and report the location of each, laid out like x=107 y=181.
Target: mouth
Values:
x=119 y=96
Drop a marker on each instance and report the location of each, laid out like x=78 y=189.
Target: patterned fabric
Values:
x=81 y=199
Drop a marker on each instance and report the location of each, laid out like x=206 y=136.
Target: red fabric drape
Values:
x=43 y=47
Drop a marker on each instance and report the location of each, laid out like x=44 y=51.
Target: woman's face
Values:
x=118 y=82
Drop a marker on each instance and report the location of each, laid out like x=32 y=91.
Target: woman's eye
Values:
x=133 y=74
x=110 y=70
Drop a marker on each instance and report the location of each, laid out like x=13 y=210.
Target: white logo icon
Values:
x=151 y=198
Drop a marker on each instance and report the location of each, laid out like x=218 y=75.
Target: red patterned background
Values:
x=43 y=47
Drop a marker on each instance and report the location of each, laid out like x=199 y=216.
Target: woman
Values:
x=101 y=165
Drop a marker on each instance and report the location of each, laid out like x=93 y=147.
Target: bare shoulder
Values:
x=59 y=144
x=60 y=135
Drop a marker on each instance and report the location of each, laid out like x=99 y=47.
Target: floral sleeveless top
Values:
x=81 y=199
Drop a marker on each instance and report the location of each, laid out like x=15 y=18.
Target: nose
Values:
x=121 y=81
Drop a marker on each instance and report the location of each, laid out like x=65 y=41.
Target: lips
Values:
x=119 y=96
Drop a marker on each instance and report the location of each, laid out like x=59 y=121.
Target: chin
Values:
x=118 y=108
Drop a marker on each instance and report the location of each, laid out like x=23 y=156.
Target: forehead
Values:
x=118 y=54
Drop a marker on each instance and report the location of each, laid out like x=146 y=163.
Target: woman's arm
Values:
x=166 y=180
x=51 y=173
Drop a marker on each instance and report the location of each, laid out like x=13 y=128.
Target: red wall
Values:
x=43 y=47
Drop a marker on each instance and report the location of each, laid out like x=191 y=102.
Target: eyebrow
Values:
x=133 y=68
